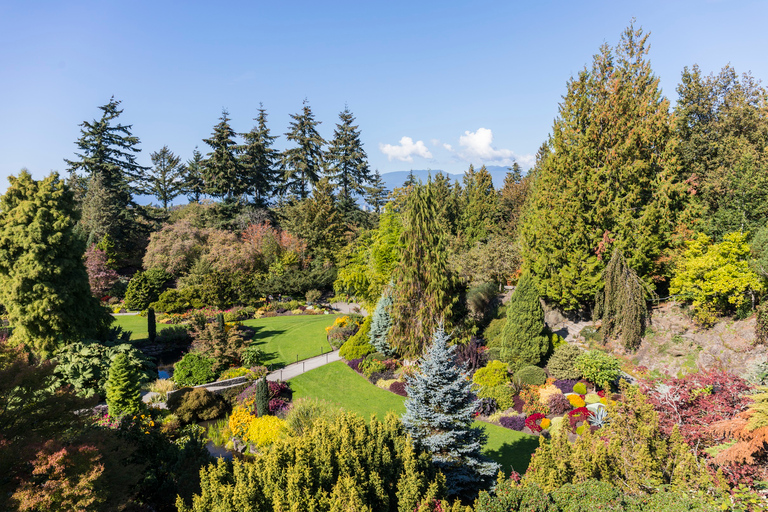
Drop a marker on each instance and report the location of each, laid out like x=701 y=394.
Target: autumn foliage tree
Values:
x=100 y=276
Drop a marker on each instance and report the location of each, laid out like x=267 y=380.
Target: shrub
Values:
x=162 y=387
x=471 y=355
x=233 y=373
x=516 y=422
x=486 y=406
x=598 y=367
x=576 y=401
x=264 y=430
x=502 y=394
x=566 y=386
x=494 y=374
x=398 y=388
x=546 y=392
x=531 y=402
x=524 y=338
x=313 y=296
x=193 y=369
x=278 y=406
x=562 y=364
x=252 y=355
x=578 y=415
x=358 y=346
x=531 y=375
x=145 y=288
x=355 y=364
x=580 y=388
x=371 y=366
x=592 y=398
x=558 y=404
x=196 y=404
x=533 y=422
x=223 y=346
x=179 y=301
x=174 y=335
x=306 y=411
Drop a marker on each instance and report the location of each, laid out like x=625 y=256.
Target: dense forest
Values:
x=633 y=201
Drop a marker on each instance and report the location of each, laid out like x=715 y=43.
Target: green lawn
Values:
x=283 y=338
x=339 y=384
x=137 y=325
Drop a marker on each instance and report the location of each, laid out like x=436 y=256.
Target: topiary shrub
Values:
x=562 y=364
x=531 y=375
x=358 y=345
x=524 y=340
x=196 y=404
x=598 y=367
x=494 y=374
x=193 y=369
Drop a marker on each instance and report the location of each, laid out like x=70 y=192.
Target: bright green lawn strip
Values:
x=283 y=338
x=137 y=325
x=338 y=383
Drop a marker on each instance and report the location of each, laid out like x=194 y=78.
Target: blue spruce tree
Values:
x=380 y=325
x=439 y=415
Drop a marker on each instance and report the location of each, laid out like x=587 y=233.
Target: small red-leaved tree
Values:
x=100 y=276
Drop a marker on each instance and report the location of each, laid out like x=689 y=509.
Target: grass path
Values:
x=339 y=384
x=283 y=338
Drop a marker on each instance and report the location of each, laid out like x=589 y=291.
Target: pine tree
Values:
x=166 y=180
x=123 y=390
x=108 y=159
x=43 y=281
x=262 y=397
x=609 y=171
x=524 y=340
x=258 y=160
x=423 y=291
x=194 y=181
x=221 y=168
x=621 y=304
x=480 y=205
x=438 y=415
x=381 y=322
x=347 y=162
x=303 y=164
x=447 y=194
x=376 y=194
x=512 y=197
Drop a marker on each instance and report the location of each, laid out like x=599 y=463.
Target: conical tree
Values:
x=423 y=291
x=221 y=168
x=480 y=205
x=524 y=340
x=610 y=170
x=194 y=181
x=123 y=390
x=258 y=160
x=376 y=194
x=438 y=415
x=303 y=164
x=262 y=397
x=381 y=322
x=166 y=180
x=43 y=281
x=347 y=162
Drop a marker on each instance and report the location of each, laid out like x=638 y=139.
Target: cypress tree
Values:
x=221 y=168
x=166 y=180
x=303 y=164
x=621 y=303
x=610 y=171
x=262 y=397
x=194 y=182
x=438 y=415
x=376 y=193
x=123 y=390
x=347 y=162
x=43 y=280
x=151 y=325
x=258 y=160
x=423 y=291
x=381 y=322
x=524 y=340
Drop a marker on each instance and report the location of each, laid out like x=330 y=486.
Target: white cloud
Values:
x=448 y=147
x=405 y=150
x=478 y=146
x=435 y=142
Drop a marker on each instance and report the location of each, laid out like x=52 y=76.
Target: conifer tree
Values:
x=480 y=205
x=303 y=164
x=381 y=322
x=108 y=159
x=166 y=180
x=258 y=160
x=194 y=181
x=423 y=291
x=447 y=194
x=512 y=197
x=262 y=397
x=347 y=162
x=376 y=194
x=610 y=171
x=221 y=168
x=524 y=340
x=438 y=415
x=123 y=390
x=151 y=325
x=43 y=281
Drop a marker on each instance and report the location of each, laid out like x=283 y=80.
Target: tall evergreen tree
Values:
x=108 y=159
x=194 y=181
x=123 y=389
x=381 y=322
x=447 y=194
x=347 y=162
x=166 y=180
x=258 y=160
x=221 y=169
x=512 y=197
x=480 y=205
x=611 y=174
x=43 y=281
x=423 y=291
x=303 y=164
x=376 y=193
x=524 y=340
x=438 y=415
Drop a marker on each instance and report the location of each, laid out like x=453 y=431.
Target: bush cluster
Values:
x=562 y=364
x=598 y=367
x=531 y=375
x=193 y=369
x=196 y=404
x=492 y=375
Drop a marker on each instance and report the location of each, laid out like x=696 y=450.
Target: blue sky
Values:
x=434 y=85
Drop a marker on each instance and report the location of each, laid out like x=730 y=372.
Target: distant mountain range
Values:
x=397 y=178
